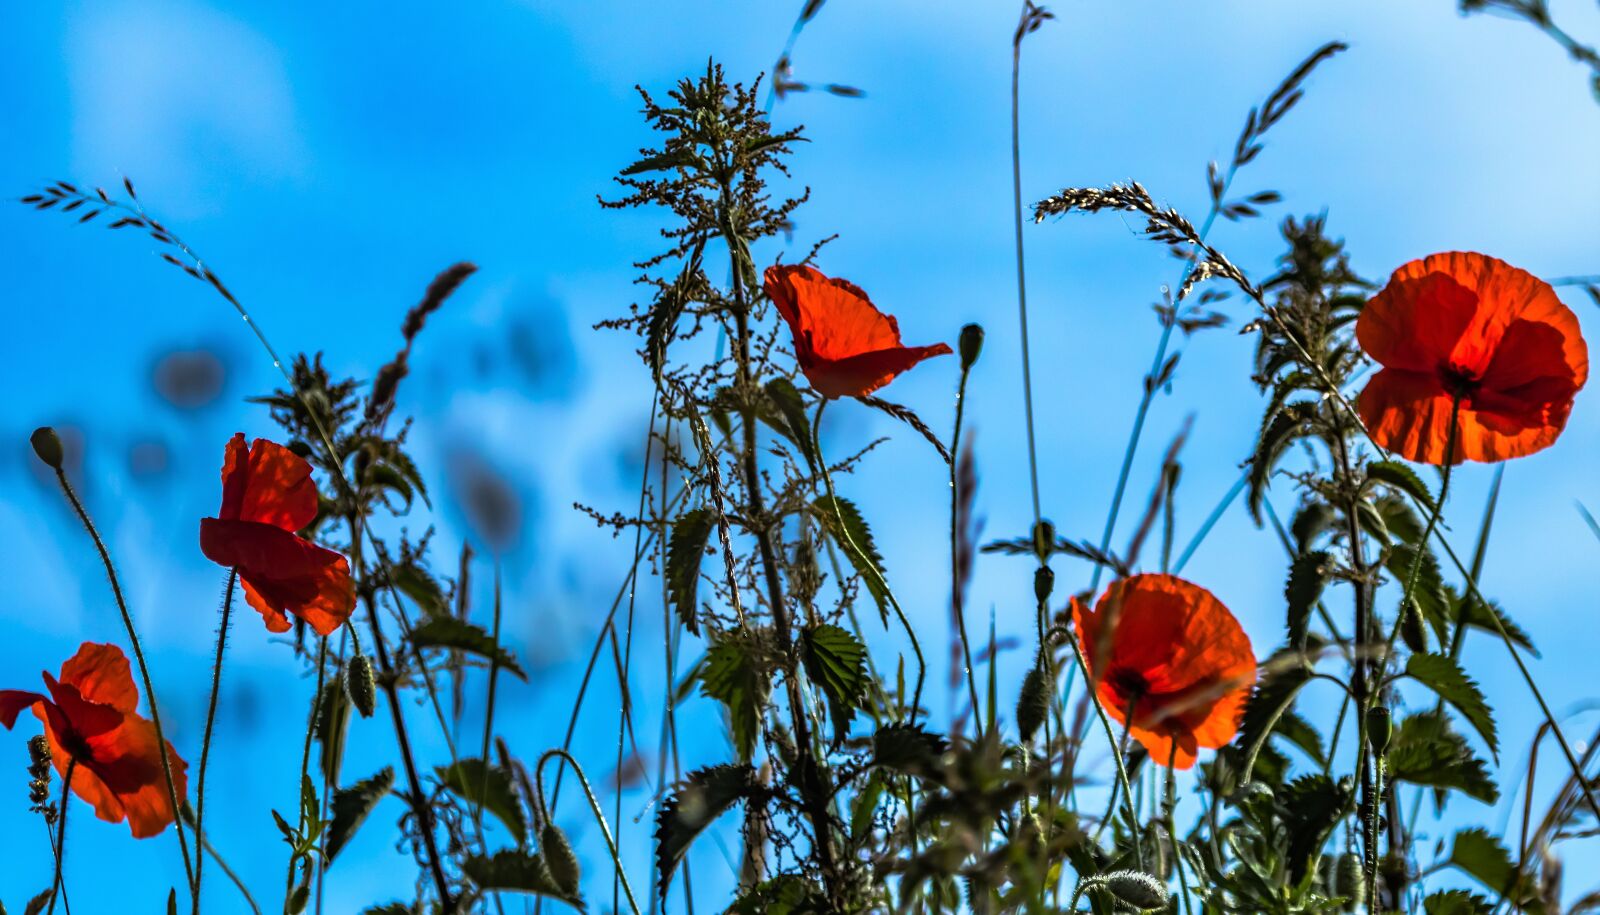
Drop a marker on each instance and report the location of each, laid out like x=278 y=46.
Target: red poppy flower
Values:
x=1468 y=326
x=846 y=346
x=267 y=495
x=1172 y=654
x=91 y=717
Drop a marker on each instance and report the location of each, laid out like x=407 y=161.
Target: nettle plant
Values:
x=1150 y=759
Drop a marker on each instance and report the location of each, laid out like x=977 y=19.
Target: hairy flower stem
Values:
x=957 y=604
x=813 y=790
x=594 y=805
x=1169 y=806
x=144 y=674
x=205 y=742
x=1022 y=274
x=1111 y=737
x=56 y=887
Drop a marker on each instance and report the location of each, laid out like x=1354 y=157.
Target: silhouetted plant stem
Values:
x=144 y=671
x=1111 y=736
x=205 y=742
x=56 y=888
x=1022 y=273
x=957 y=602
x=594 y=805
x=1172 y=827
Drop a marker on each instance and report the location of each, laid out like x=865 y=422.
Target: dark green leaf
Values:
x=489 y=787
x=836 y=661
x=1483 y=858
x=1444 y=676
x=678 y=158
x=1456 y=902
x=1429 y=591
x=333 y=722
x=460 y=635
x=352 y=805
x=865 y=807
x=1274 y=696
x=423 y=589
x=1308 y=575
x=512 y=871
x=1401 y=477
x=705 y=795
x=1277 y=433
x=843 y=522
x=1476 y=614
x=688 y=545
x=784 y=895
x=1426 y=751
x=734 y=676
x=1313 y=806
x=789 y=418
x=908 y=749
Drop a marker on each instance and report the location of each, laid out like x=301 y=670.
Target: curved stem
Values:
x=205 y=742
x=599 y=816
x=957 y=602
x=144 y=671
x=1116 y=752
x=61 y=835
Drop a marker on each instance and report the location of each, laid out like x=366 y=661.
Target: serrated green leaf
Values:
x=789 y=418
x=1429 y=591
x=1401 y=477
x=1313 y=805
x=908 y=749
x=1277 y=432
x=734 y=676
x=678 y=158
x=836 y=661
x=843 y=522
x=1308 y=575
x=1482 y=857
x=416 y=583
x=489 y=787
x=1426 y=751
x=1444 y=676
x=685 y=550
x=1273 y=697
x=512 y=871
x=705 y=795
x=460 y=635
x=783 y=895
x=1479 y=615
x=1456 y=902
x=352 y=805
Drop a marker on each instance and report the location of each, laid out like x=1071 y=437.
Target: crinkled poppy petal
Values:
x=833 y=315
x=860 y=375
x=101 y=674
x=85 y=719
x=127 y=761
x=1408 y=413
x=87 y=785
x=235 y=476
x=13 y=701
x=1417 y=320
x=280 y=491
x=282 y=573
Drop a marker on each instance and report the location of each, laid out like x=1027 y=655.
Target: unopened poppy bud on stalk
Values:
x=970 y=345
x=1380 y=727
x=1141 y=891
x=47 y=445
x=362 y=685
x=1044 y=581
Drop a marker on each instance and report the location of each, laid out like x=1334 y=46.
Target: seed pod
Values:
x=1044 y=581
x=47 y=445
x=1349 y=881
x=1033 y=703
x=1380 y=727
x=1141 y=891
x=558 y=857
x=971 y=345
x=362 y=685
x=1412 y=630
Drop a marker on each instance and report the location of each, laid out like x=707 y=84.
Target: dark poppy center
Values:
x=1129 y=684
x=76 y=746
x=1458 y=380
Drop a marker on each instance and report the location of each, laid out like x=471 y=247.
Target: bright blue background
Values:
x=329 y=160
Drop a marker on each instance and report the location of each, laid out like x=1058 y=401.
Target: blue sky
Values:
x=327 y=164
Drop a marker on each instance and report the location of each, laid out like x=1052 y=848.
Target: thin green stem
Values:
x=1111 y=737
x=305 y=759
x=144 y=673
x=56 y=886
x=1022 y=273
x=594 y=805
x=205 y=743
x=1172 y=826
x=957 y=601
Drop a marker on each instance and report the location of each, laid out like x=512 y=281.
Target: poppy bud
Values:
x=1411 y=628
x=362 y=685
x=1044 y=581
x=1380 y=727
x=558 y=857
x=1141 y=891
x=47 y=445
x=1033 y=703
x=971 y=345
x=1349 y=881
x=1044 y=539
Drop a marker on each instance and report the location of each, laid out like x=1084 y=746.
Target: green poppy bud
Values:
x=558 y=857
x=1380 y=727
x=362 y=685
x=1412 y=631
x=1033 y=703
x=1141 y=891
x=47 y=445
x=971 y=345
x=1044 y=581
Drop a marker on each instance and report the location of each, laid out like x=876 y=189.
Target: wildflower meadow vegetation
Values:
x=844 y=750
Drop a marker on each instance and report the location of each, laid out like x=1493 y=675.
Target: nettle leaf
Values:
x=512 y=871
x=789 y=418
x=1426 y=751
x=1299 y=732
x=705 y=795
x=489 y=787
x=1308 y=575
x=460 y=635
x=352 y=805
x=1429 y=591
x=1273 y=697
x=685 y=550
x=1313 y=806
x=37 y=903
x=1281 y=429
x=1483 y=858
x=1456 y=902
x=1396 y=517
x=1401 y=477
x=783 y=895
x=333 y=723
x=908 y=749
x=1444 y=676
x=735 y=676
x=1479 y=615
x=843 y=522
x=836 y=661
x=424 y=590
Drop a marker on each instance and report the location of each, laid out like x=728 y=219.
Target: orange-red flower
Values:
x=1468 y=326
x=1172 y=654
x=845 y=345
x=91 y=718
x=268 y=495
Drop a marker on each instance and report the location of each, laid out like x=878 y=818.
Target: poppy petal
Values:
x=1417 y=321
x=101 y=675
x=127 y=762
x=235 y=476
x=13 y=701
x=283 y=573
x=280 y=491
x=860 y=375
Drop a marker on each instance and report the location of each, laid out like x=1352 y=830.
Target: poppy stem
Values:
x=599 y=815
x=957 y=604
x=205 y=742
x=56 y=887
x=1116 y=752
x=1022 y=274
x=1172 y=825
x=144 y=670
